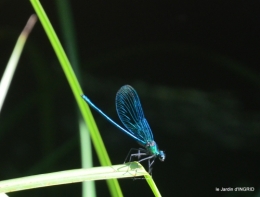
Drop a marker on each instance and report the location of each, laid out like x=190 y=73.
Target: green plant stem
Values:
x=69 y=37
x=13 y=61
x=133 y=169
x=77 y=91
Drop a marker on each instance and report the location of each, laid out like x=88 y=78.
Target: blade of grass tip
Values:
x=73 y=176
x=68 y=32
x=77 y=91
x=13 y=61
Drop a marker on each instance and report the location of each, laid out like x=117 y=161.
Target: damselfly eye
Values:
x=162 y=156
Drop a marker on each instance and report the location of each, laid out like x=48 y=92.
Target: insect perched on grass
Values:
x=131 y=114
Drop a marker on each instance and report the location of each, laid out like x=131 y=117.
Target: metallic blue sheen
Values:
x=130 y=112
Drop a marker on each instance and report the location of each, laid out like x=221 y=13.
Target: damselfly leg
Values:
x=141 y=155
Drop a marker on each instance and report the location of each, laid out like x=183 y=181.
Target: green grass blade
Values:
x=13 y=61
x=152 y=185
x=127 y=170
x=3 y=195
x=77 y=91
x=88 y=188
x=69 y=37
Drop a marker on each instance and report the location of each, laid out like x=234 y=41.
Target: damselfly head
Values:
x=162 y=155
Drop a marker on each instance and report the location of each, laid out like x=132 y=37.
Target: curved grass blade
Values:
x=13 y=61
x=73 y=176
x=77 y=91
x=65 y=14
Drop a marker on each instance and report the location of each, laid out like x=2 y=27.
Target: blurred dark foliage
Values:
x=195 y=66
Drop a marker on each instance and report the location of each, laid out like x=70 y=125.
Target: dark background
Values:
x=195 y=66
